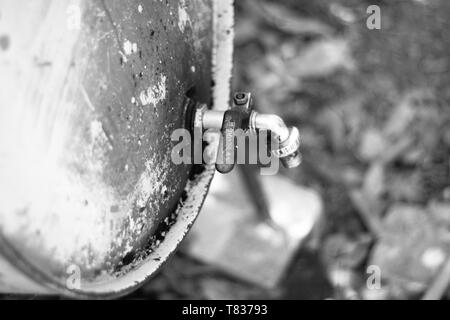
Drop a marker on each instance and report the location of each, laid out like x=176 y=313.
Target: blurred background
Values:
x=373 y=110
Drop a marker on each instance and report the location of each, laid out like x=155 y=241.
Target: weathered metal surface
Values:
x=223 y=22
x=90 y=94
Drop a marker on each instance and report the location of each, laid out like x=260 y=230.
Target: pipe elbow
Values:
x=273 y=123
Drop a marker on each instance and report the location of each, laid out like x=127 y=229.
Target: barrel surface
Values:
x=90 y=93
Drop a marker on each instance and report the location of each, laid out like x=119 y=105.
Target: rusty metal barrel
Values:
x=91 y=204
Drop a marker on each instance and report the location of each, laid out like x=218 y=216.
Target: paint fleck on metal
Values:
x=154 y=94
x=183 y=16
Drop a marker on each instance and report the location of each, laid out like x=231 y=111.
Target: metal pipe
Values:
x=289 y=138
x=270 y=122
x=213 y=119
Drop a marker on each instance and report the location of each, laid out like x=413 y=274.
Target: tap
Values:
x=242 y=116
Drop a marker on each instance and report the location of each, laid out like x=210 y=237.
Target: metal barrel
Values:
x=91 y=204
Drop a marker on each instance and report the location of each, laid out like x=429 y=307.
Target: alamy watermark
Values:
x=373 y=281
x=244 y=148
x=374 y=20
x=73 y=281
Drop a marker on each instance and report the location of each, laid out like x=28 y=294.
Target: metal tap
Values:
x=242 y=116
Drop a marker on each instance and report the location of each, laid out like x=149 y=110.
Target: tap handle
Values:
x=235 y=118
x=226 y=156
